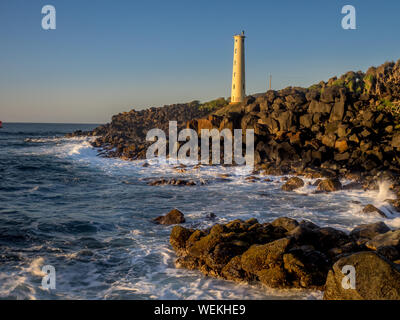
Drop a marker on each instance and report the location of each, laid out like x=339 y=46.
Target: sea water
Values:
x=90 y=217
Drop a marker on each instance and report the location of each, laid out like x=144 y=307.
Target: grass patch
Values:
x=214 y=104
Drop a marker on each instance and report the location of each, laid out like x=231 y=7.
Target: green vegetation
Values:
x=339 y=83
x=387 y=103
x=368 y=81
x=214 y=104
x=315 y=87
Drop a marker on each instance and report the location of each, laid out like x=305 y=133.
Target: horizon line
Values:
x=27 y=122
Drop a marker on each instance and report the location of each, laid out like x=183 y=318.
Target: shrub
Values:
x=214 y=104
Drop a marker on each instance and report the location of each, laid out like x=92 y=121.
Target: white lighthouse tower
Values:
x=238 y=75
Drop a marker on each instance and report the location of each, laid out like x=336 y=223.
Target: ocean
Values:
x=90 y=218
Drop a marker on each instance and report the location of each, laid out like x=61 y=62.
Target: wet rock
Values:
x=211 y=216
x=329 y=185
x=233 y=270
x=306 y=268
x=287 y=223
x=173 y=217
x=179 y=236
x=390 y=238
x=372 y=210
x=175 y=182
x=352 y=186
x=265 y=262
x=281 y=254
x=369 y=231
x=292 y=184
x=376 y=279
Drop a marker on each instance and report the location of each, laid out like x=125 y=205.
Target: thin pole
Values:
x=270 y=82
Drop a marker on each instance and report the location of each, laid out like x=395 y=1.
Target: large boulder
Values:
x=285 y=120
x=173 y=217
x=338 y=111
x=286 y=223
x=372 y=210
x=329 y=94
x=306 y=120
x=266 y=262
x=292 y=184
x=396 y=141
x=329 y=185
x=319 y=107
x=306 y=268
x=179 y=236
x=369 y=231
x=390 y=238
x=259 y=257
x=376 y=278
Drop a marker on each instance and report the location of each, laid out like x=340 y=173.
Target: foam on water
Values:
x=92 y=221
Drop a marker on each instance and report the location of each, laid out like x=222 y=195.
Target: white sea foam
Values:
x=384 y=191
x=151 y=262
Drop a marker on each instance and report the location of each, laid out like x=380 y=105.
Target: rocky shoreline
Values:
x=347 y=127
x=290 y=254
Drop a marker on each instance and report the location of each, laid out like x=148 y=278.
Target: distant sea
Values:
x=90 y=218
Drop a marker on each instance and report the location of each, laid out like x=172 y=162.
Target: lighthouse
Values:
x=238 y=75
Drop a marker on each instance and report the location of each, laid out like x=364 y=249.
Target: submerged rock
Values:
x=173 y=217
x=293 y=184
x=175 y=182
x=376 y=278
x=370 y=209
x=329 y=185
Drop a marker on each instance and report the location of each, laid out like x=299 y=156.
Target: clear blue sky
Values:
x=107 y=56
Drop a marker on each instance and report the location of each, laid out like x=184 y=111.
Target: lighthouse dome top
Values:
x=240 y=35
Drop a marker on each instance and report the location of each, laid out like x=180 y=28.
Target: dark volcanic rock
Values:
x=346 y=124
x=173 y=217
x=281 y=254
x=329 y=185
x=376 y=279
x=293 y=184
x=390 y=238
x=125 y=135
x=369 y=231
x=287 y=223
x=172 y=181
x=370 y=209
